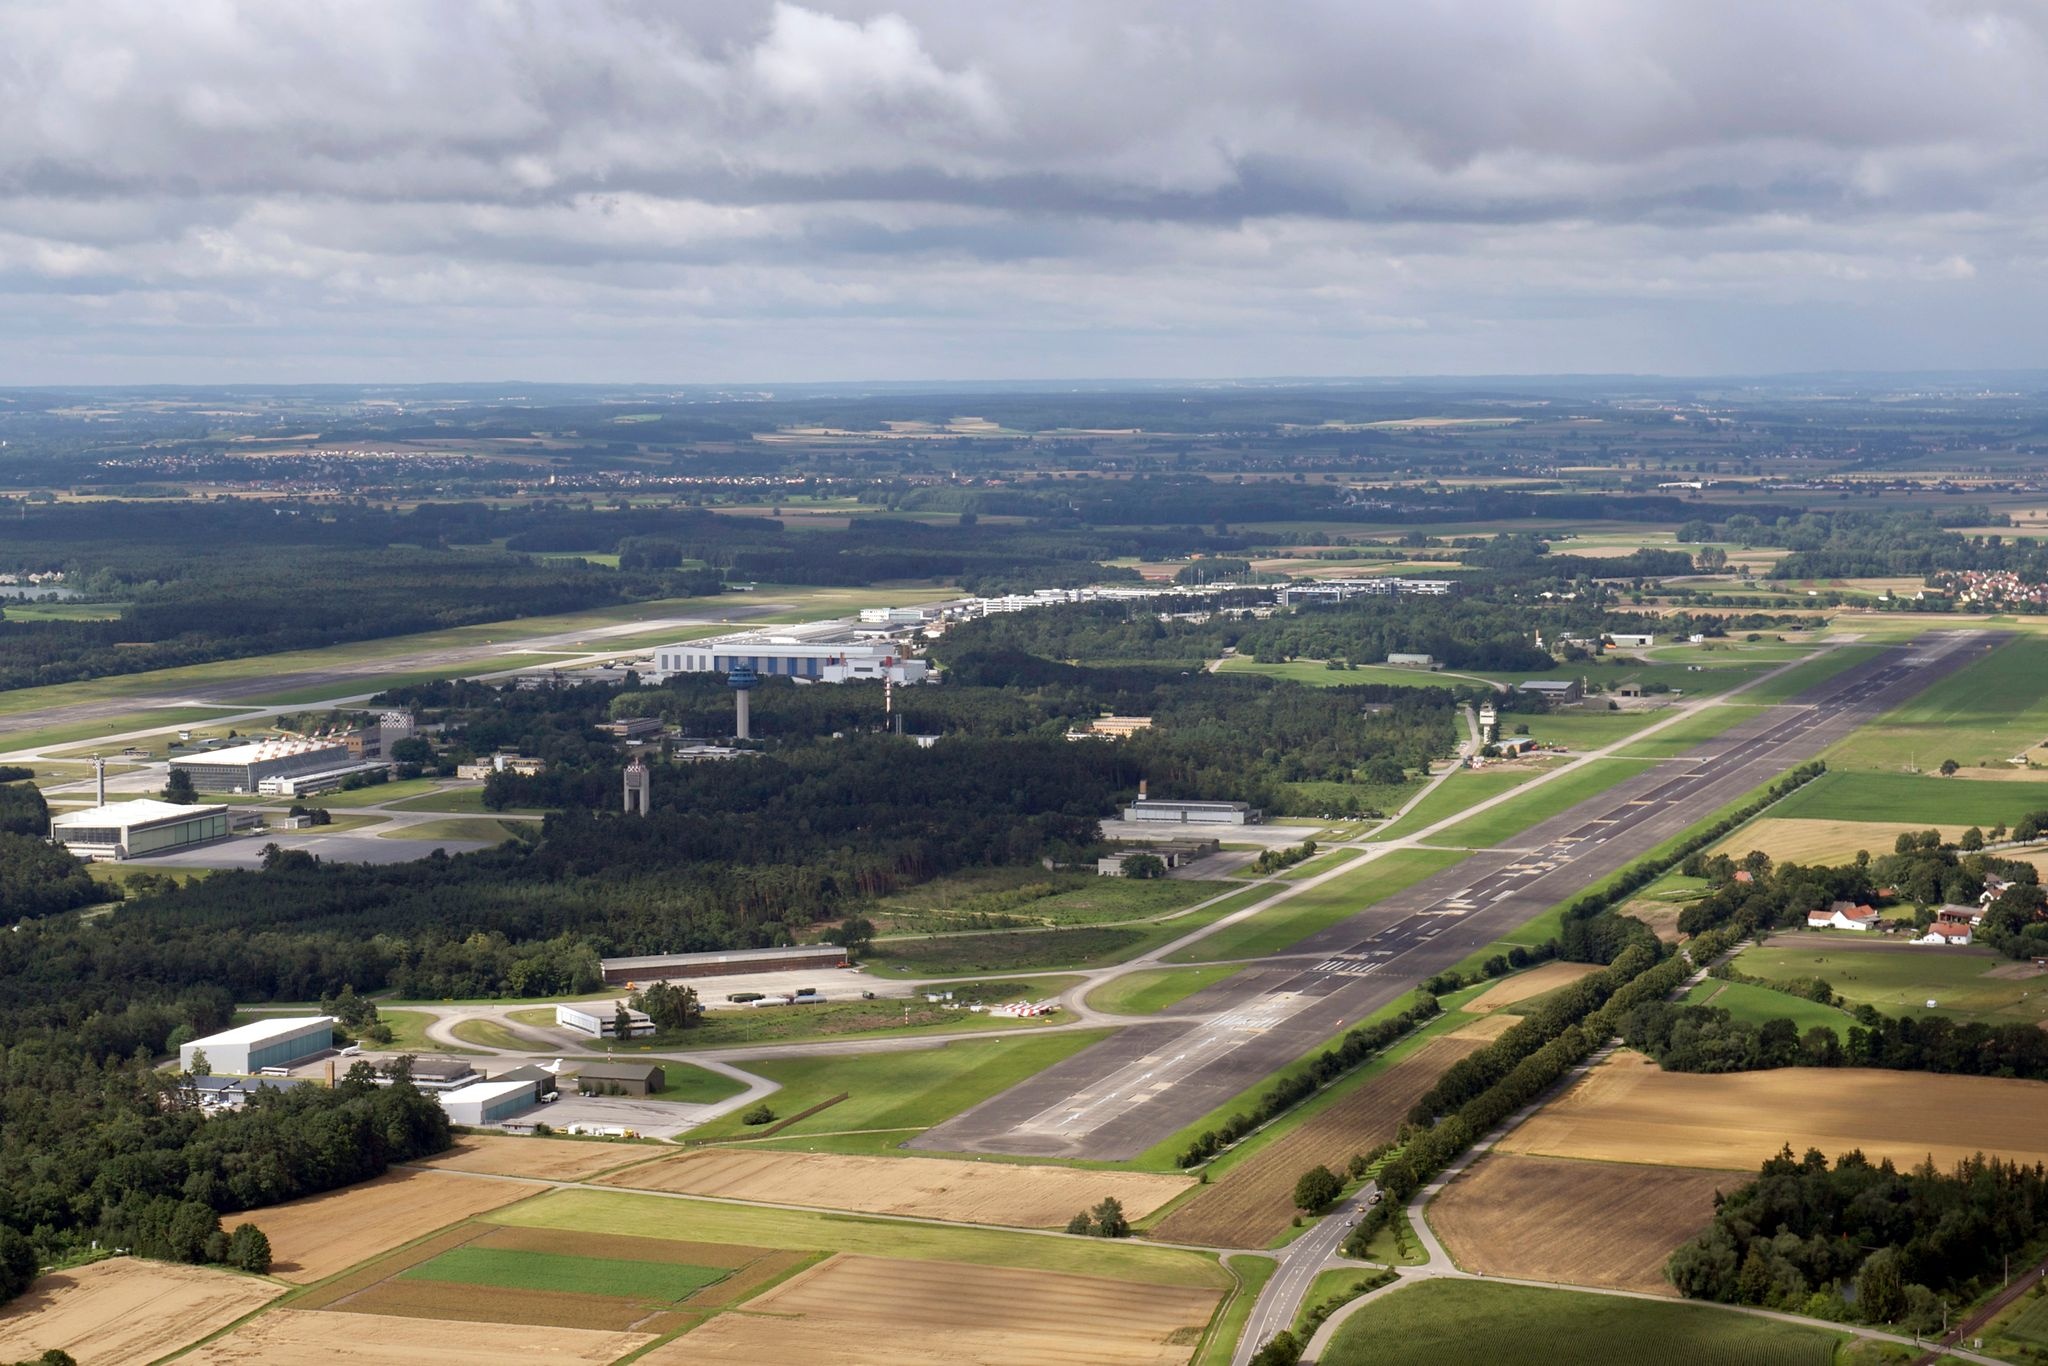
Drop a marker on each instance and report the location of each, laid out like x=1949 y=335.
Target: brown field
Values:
x=303 y=1337
x=1583 y=1223
x=873 y=1311
x=1660 y=916
x=1251 y=1204
x=934 y=1188
x=323 y=1234
x=1523 y=985
x=126 y=1309
x=547 y=1159
x=1812 y=841
x=1628 y=1110
x=1488 y=1027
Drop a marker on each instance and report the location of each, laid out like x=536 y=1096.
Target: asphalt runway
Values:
x=1114 y=1100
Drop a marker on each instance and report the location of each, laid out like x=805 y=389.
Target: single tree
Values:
x=179 y=788
x=249 y=1249
x=1081 y=1225
x=1316 y=1189
x=200 y=1066
x=622 y=1023
x=1880 y=1290
x=1949 y=767
x=1144 y=866
x=1109 y=1219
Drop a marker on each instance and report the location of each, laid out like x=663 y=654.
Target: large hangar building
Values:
x=244 y=767
x=247 y=1049
x=137 y=829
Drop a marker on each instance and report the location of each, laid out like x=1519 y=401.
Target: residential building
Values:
x=1842 y=915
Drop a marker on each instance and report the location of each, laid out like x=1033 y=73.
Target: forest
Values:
x=1856 y=1241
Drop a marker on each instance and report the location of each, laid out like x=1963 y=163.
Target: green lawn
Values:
x=1280 y=927
x=1980 y=715
x=1332 y=1288
x=1827 y=665
x=1435 y=1322
x=1221 y=1344
x=376 y=794
x=486 y=1033
x=1848 y=796
x=454 y=828
x=645 y=1216
x=1153 y=990
x=520 y=1270
x=1901 y=981
x=1756 y=1005
x=409 y=1031
x=1396 y=1244
x=459 y=801
x=962 y=955
x=1512 y=817
x=1683 y=736
x=884 y=1017
x=689 y=1085
x=906 y=1092
x=1465 y=787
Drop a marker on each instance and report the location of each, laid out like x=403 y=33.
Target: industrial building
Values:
x=1553 y=689
x=243 y=767
x=247 y=1049
x=893 y=616
x=437 y=1074
x=487 y=1102
x=1343 y=590
x=813 y=661
x=138 y=828
x=1193 y=813
x=1172 y=853
x=325 y=780
x=620 y=1079
x=599 y=1023
x=656 y=967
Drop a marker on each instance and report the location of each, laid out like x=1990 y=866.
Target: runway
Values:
x=1114 y=1100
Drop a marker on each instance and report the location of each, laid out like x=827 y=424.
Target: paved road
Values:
x=1114 y=1100
x=1301 y=1261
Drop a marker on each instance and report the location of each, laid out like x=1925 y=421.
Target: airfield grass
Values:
x=376 y=794
x=1680 y=737
x=453 y=828
x=1704 y=676
x=1252 y=1272
x=1831 y=662
x=878 y=1019
x=1464 y=788
x=1317 y=908
x=1755 y=1005
x=1317 y=674
x=487 y=1033
x=1860 y=796
x=83 y=732
x=460 y=801
x=1317 y=866
x=1981 y=714
x=1511 y=818
x=1510 y=1325
x=1582 y=730
x=517 y=1269
x=1153 y=990
x=901 y=1093
x=1031 y=894
x=962 y=955
x=409 y=1031
x=646 y=1216
x=1900 y=981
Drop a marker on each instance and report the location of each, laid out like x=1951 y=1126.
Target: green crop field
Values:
x=645 y=1216
x=1755 y=1005
x=1154 y=990
x=1844 y=796
x=1901 y=981
x=1442 y=1321
x=1280 y=927
x=1538 y=804
x=1980 y=715
x=901 y=1093
x=520 y=1270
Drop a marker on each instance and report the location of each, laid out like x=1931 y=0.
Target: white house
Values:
x=1842 y=915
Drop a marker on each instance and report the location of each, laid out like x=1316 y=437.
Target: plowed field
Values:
x=875 y=1311
x=934 y=1188
x=547 y=1159
x=1628 y=1110
x=297 y=1337
x=1524 y=985
x=322 y=1234
x=1584 y=1223
x=1252 y=1203
x=125 y=1310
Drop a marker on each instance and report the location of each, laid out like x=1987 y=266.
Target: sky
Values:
x=732 y=192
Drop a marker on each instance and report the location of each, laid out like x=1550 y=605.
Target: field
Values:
x=1252 y=1203
x=1706 y=724
x=871 y=1311
x=1502 y=823
x=1465 y=787
x=931 y=1188
x=1512 y=1325
x=1811 y=842
x=1925 y=798
x=295 y=1337
x=1979 y=715
x=322 y=1234
x=562 y=1273
x=545 y=1159
x=1826 y=665
x=1755 y=1005
x=1583 y=1223
x=1034 y=896
x=1524 y=986
x=126 y=1309
x=1968 y=984
x=1628 y=1110
x=893 y=1095
x=1151 y=991
x=1286 y=924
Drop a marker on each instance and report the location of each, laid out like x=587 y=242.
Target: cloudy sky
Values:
x=726 y=191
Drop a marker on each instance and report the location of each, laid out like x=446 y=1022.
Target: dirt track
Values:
x=874 y=1311
x=1585 y=1223
x=1251 y=1204
x=125 y=1310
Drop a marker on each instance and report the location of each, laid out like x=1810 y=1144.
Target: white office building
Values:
x=247 y=1049
x=788 y=657
x=598 y=1022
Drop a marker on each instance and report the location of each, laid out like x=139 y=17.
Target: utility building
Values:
x=487 y=1102
x=656 y=967
x=788 y=657
x=619 y=1078
x=138 y=828
x=246 y=1050
x=1193 y=813
x=243 y=767
x=600 y=1023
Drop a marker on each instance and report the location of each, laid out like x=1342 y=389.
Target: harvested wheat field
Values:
x=323 y=1234
x=1629 y=1110
x=1251 y=1204
x=875 y=1311
x=934 y=1188
x=1524 y=985
x=546 y=1159
x=309 y=1337
x=1585 y=1223
x=1487 y=1028
x=1800 y=840
x=125 y=1309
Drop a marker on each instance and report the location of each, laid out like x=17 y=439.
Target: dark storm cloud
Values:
x=1164 y=187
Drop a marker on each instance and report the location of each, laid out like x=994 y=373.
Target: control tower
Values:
x=639 y=789
x=741 y=680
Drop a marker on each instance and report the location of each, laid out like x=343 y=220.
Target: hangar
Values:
x=133 y=829
x=247 y=1049
x=655 y=967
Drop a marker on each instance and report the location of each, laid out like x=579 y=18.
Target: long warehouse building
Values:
x=283 y=1041
x=656 y=967
x=138 y=828
x=244 y=767
x=787 y=657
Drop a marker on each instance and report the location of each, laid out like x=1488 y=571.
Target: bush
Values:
x=760 y=1114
